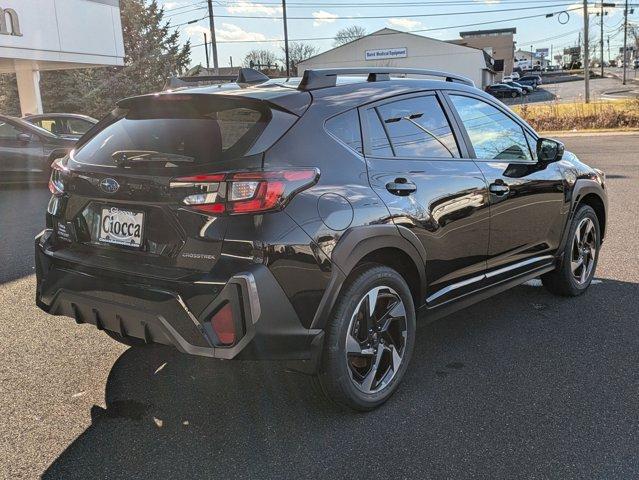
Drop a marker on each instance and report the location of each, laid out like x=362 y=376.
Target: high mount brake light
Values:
x=56 y=181
x=243 y=192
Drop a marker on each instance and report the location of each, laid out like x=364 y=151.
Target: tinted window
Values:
x=345 y=127
x=180 y=133
x=492 y=133
x=379 y=144
x=77 y=126
x=417 y=127
x=8 y=131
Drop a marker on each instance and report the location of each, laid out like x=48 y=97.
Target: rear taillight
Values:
x=56 y=181
x=243 y=192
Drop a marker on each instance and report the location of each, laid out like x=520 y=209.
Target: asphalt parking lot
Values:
x=523 y=385
x=601 y=89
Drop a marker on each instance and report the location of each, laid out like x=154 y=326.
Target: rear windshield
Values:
x=174 y=133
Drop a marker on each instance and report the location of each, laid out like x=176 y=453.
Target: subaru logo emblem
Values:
x=109 y=185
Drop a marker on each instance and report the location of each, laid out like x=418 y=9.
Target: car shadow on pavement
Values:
x=523 y=384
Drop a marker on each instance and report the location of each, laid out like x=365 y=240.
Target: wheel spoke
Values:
x=588 y=228
x=396 y=312
x=575 y=264
x=395 y=357
x=353 y=347
x=369 y=379
x=371 y=302
x=578 y=235
x=584 y=273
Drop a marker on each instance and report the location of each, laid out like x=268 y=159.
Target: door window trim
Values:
x=464 y=154
x=471 y=150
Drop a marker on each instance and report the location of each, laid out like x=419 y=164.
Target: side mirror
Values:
x=23 y=137
x=549 y=150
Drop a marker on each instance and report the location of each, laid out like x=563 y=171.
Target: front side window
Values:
x=493 y=134
x=418 y=127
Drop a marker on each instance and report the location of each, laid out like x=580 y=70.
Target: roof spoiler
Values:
x=246 y=76
x=327 y=77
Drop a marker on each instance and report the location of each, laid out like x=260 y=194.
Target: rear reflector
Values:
x=223 y=325
x=243 y=192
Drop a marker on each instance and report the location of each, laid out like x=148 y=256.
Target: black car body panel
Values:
x=457 y=225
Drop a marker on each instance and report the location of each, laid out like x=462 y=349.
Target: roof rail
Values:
x=327 y=77
x=246 y=76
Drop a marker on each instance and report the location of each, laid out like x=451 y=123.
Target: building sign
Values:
x=384 y=53
x=541 y=52
x=9 y=23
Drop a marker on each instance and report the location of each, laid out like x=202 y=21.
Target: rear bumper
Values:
x=266 y=324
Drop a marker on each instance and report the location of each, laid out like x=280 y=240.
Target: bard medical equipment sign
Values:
x=385 y=53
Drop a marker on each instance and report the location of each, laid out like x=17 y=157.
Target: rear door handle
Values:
x=499 y=188
x=401 y=187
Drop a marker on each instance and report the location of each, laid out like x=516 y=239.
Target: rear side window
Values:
x=379 y=143
x=418 y=127
x=176 y=133
x=493 y=134
x=345 y=127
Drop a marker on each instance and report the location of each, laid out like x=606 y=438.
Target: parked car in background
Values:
x=69 y=125
x=504 y=90
x=513 y=77
x=526 y=89
x=527 y=83
x=26 y=150
x=533 y=78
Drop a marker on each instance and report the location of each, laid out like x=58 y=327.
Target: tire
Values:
x=362 y=367
x=578 y=263
x=128 y=341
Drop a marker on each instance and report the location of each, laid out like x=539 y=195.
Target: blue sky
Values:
x=237 y=35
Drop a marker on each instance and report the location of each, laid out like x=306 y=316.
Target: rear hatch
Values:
x=140 y=193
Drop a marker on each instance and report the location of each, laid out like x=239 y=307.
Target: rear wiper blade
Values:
x=123 y=158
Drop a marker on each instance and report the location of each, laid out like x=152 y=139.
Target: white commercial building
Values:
x=38 y=35
x=392 y=48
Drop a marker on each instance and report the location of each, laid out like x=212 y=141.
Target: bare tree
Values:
x=348 y=34
x=260 y=59
x=298 y=52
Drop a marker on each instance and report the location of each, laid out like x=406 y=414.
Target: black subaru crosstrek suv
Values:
x=311 y=220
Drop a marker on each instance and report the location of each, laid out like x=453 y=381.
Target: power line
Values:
x=375 y=5
x=423 y=30
x=369 y=17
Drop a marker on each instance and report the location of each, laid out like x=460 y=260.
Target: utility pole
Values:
x=625 y=41
x=608 y=41
x=586 y=55
x=288 y=62
x=213 y=42
x=601 y=45
x=206 y=51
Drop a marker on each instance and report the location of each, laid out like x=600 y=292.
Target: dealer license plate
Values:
x=121 y=227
